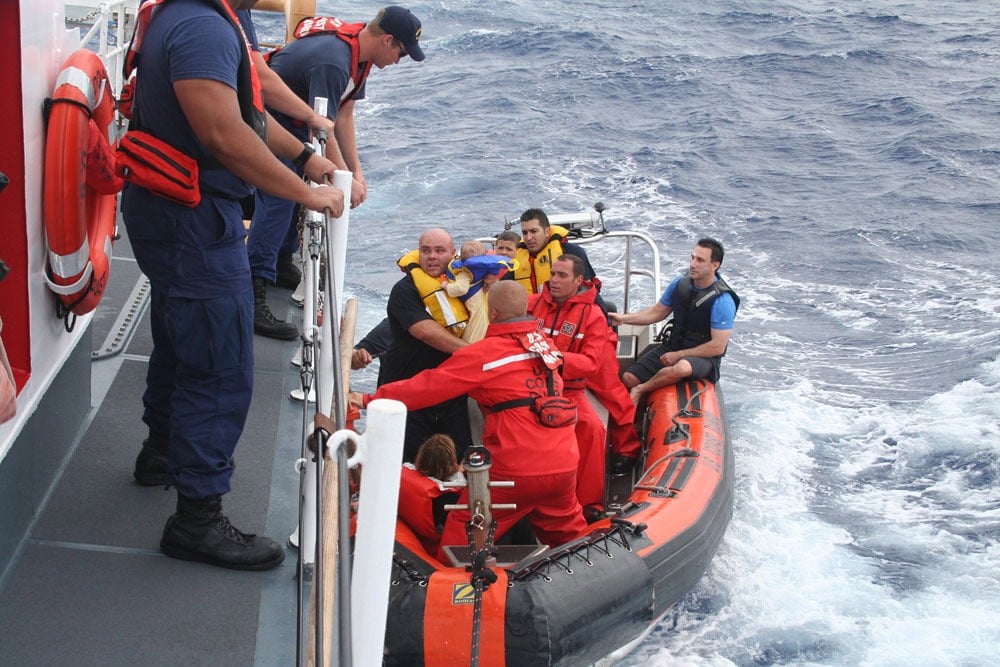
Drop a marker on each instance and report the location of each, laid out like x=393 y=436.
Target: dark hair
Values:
x=574 y=260
x=508 y=235
x=436 y=457
x=536 y=214
x=718 y=252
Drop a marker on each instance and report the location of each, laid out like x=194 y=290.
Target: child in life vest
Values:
x=422 y=494
x=469 y=278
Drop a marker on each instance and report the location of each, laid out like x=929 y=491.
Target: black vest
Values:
x=692 y=310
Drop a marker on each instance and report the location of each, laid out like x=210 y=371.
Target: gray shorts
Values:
x=649 y=363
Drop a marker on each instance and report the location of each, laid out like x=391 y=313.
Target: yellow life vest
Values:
x=446 y=310
x=533 y=271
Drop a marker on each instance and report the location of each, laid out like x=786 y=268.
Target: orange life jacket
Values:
x=348 y=32
x=417 y=494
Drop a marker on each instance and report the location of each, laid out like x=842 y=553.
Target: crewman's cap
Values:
x=404 y=26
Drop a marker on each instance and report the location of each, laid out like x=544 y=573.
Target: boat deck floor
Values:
x=91 y=587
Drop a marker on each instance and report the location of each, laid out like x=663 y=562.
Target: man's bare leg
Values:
x=665 y=376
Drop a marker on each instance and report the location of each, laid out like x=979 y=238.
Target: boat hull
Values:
x=586 y=599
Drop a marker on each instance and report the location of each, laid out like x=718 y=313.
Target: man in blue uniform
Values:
x=704 y=308
x=329 y=59
x=197 y=91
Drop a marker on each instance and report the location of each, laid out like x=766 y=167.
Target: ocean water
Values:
x=848 y=156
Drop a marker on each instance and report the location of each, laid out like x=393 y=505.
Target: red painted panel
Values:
x=13 y=225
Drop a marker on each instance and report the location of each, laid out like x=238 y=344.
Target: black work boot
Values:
x=622 y=464
x=288 y=274
x=264 y=321
x=199 y=531
x=151 y=463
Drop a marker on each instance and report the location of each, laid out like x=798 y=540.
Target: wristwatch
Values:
x=307 y=152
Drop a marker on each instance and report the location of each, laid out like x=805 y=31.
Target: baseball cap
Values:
x=404 y=26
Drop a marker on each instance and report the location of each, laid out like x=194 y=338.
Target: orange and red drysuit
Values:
x=580 y=330
x=512 y=362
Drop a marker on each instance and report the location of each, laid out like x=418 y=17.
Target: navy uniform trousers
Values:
x=200 y=376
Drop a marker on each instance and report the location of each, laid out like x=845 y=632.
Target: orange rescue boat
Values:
x=598 y=595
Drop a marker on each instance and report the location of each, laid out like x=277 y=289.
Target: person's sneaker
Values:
x=622 y=465
x=151 y=463
x=264 y=321
x=288 y=274
x=298 y=297
x=200 y=532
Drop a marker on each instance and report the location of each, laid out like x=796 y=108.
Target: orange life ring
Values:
x=79 y=184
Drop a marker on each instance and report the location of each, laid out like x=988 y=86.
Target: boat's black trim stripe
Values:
x=689 y=392
x=682 y=396
x=696 y=388
x=668 y=473
x=682 y=477
x=685 y=461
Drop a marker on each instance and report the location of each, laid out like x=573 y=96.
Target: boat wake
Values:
x=860 y=535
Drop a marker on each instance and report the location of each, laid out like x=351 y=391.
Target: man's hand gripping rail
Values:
x=322 y=173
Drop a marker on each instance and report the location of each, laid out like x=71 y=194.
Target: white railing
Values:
x=110 y=18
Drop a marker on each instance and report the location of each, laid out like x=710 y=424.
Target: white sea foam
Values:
x=891 y=558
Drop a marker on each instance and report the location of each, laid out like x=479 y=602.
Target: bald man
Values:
x=425 y=330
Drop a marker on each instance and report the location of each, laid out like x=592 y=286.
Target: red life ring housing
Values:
x=80 y=184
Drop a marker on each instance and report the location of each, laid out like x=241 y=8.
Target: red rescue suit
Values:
x=508 y=364
x=581 y=332
x=605 y=384
x=609 y=390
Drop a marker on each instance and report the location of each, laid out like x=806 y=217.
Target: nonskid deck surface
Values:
x=91 y=586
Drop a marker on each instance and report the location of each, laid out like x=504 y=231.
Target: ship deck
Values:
x=90 y=586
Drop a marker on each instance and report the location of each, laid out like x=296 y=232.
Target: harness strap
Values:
x=550 y=390
x=515 y=403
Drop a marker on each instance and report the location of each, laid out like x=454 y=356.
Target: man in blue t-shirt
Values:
x=330 y=59
x=704 y=308
x=196 y=90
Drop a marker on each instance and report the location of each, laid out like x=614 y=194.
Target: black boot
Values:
x=288 y=274
x=199 y=531
x=151 y=463
x=622 y=464
x=264 y=321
